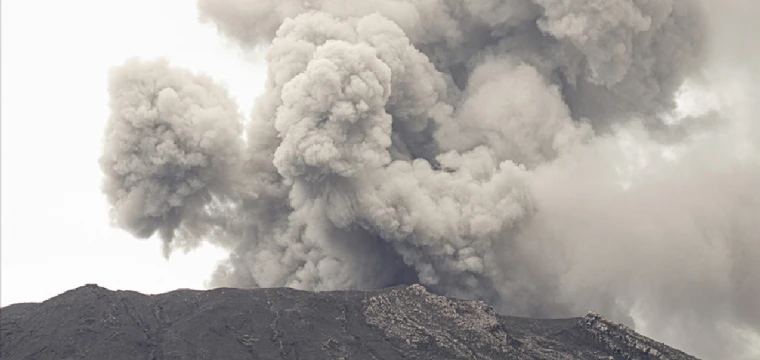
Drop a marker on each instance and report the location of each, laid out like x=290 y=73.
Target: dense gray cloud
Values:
x=173 y=138
x=527 y=153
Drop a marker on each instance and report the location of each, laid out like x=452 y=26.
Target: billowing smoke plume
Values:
x=524 y=152
x=173 y=141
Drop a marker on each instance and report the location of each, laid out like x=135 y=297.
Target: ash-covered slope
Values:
x=399 y=323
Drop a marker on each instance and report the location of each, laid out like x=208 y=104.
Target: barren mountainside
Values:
x=91 y=322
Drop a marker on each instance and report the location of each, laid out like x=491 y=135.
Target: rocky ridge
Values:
x=408 y=322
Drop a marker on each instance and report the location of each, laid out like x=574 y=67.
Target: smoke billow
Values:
x=529 y=153
x=173 y=140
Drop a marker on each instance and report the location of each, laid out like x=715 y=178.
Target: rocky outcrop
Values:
x=398 y=323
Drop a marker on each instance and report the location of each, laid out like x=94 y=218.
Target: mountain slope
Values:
x=91 y=322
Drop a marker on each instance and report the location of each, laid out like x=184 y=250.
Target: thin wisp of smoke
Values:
x=529 y=153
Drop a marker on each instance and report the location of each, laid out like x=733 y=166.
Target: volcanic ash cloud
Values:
x=510 y=151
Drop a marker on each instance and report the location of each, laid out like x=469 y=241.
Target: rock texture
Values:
x=398 y=323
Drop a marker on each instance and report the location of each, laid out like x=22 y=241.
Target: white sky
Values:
x=55 y=58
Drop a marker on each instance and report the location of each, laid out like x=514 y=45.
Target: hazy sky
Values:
x=55 y=59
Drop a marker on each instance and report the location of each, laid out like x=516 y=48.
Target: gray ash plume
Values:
x=506 y=151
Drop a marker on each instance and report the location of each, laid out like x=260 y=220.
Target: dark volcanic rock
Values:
x=399 y=323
